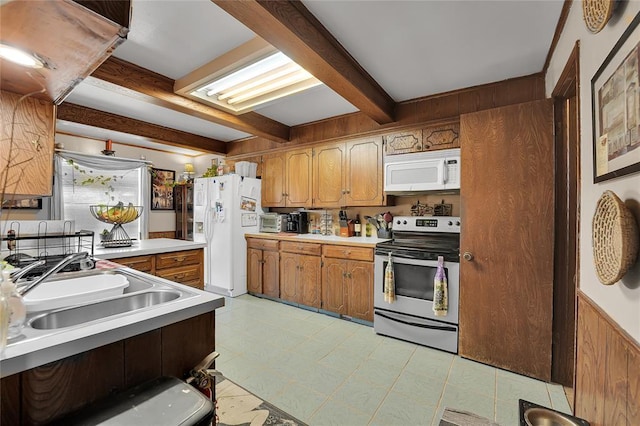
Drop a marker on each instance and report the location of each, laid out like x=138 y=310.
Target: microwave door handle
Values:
x=445 y=171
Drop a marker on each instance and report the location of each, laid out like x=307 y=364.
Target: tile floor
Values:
x=328 y=371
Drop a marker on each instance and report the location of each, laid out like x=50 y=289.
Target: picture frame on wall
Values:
x=162 y=189
x=29 y=203
x=615 y=99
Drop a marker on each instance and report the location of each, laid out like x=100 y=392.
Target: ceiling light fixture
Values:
x=20 y=57
x=243 y=78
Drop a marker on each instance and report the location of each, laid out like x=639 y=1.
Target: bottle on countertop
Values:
x=357 y=226
x=367 y=229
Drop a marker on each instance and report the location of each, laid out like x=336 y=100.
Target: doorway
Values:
x=566 y=97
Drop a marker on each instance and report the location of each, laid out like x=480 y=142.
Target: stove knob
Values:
x=457 y=223
x=450 y=223
x=398 y=222
x=404 y=222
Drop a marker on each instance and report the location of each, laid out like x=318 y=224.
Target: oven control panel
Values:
x=427 y=223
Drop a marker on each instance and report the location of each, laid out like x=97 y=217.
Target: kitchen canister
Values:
x=615 y=238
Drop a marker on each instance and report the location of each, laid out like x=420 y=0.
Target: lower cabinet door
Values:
x=309 y=281
x=288 y=277
x=360 y=290
x=334 y=275
x=271 y=273
x=254 y=271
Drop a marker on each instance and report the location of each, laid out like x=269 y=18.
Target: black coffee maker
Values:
x=298 y=222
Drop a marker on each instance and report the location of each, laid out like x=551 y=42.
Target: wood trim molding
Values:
x=126 y=78
x=569 y=81
x=291 y=28
x=607 y=373
x=90 y=117
x=564 y=15
x=442 y=108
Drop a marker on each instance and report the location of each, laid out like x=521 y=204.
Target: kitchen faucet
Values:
x=55 y=268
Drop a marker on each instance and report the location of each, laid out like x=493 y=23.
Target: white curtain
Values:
x=102 y=163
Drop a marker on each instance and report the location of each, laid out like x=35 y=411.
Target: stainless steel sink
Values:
x=67 y=317
x=143 y=292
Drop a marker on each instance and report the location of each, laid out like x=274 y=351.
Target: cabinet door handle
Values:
x=468 y=256
x=180 y=259
x=178 y=277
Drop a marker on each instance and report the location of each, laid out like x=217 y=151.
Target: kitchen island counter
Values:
x=146 y=247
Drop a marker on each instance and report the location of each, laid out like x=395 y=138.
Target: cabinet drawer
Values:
x=178 y=258
x=139 y=263
x=181 y=274
x=257 y=243
x=195 y=284
x=301 y=248
x=348 y=252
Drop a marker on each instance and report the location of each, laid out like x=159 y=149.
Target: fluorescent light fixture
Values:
x=20 y=57
x=248 y=76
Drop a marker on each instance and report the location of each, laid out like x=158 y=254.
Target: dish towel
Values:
x=389 y=282
x=440 y=291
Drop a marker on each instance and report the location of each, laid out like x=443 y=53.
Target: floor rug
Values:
x=237 y=406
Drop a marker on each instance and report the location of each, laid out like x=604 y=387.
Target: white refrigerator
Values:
x=224 y=209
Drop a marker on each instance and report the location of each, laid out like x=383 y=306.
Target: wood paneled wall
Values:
x=162 y=234
x=432 y=109
x=607 y=369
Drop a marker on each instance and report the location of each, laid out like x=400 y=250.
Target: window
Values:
x=84 y=181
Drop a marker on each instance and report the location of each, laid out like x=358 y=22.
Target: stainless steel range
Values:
x=417 y=242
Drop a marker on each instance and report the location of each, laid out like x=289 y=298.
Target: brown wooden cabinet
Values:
x=430 y=138
x=363 y=184
x=263 y=267
x=183 y=196
x=298 y=178
x=329 y=175
x=300 y=273
x=273 y=180
x=347 y=281
x=28 y=156
x=184 y=267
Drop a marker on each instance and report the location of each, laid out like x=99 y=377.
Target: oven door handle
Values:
x=433 y=327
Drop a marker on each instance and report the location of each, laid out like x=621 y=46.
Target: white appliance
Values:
x=224 y=209
x=422 y=171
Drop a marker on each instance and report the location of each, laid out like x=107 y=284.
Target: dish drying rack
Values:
x=51 y=246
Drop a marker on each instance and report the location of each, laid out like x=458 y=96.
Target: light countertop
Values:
x=38 y=347
x=317 y=238
x=144 y=247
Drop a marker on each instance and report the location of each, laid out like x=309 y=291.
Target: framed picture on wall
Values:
x=162 y=189
x=615 y=99
x=29 y=203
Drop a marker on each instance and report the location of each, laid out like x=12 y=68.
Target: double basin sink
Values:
x=142 y=292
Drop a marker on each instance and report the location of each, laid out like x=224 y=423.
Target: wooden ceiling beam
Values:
x=137 y=82
x=291 y=28
x=92 y=117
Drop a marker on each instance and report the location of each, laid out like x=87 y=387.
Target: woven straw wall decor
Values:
x=596 y=13
x=615 y=239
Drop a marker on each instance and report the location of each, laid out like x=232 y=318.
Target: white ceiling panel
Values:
x=91 y=96
x=314 y=104
x=174 y=37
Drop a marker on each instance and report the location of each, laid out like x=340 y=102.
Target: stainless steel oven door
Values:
x=414 y=287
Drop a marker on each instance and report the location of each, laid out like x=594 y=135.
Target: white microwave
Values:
x=422 y=171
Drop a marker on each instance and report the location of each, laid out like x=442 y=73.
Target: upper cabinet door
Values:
x=273 y=180
x=328 y=176
x=27 y=156
x=364 y=172
x=298 y=178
